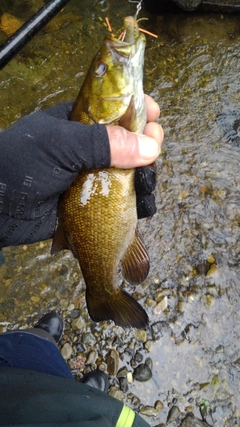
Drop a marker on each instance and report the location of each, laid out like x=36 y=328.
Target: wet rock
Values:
x=80 y=347
x=130 y=377
x=140 y=335
x=148 y=345
x=236 y=364
x=158 y=330
x=149 y=363
x=149 y=411
x=142 y=373
x=133 y=400
x=92 y=357
x=123 y=383
x=122 y=373
x=161 y=305
x=191 y=421
x=78 y=324
x=66 y=351
x=138 y=357
x=173 y=414
x=159 y=406
x=112 y=361
x=130 y=351
x=189 y=408
x=74 y=314
x=116 y=393
x=150 y=302
x=88 y=338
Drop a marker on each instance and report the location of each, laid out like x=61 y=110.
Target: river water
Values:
x=192 y=293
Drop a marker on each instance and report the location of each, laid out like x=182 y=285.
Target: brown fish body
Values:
x=97 y=214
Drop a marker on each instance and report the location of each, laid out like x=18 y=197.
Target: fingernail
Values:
x=148 y=148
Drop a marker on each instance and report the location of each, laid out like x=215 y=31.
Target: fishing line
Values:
x=139 y=5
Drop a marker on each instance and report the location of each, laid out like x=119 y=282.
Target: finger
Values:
x=153 y=110
x=154 y=130
x=130 y=150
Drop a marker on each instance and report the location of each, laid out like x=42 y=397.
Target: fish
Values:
x=97 y=215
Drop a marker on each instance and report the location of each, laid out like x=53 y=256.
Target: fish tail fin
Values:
x=121 y=307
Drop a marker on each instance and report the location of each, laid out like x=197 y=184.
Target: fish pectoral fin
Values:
x=59 y=242
x=128 y=120
x=121 y=307
x=135 y=263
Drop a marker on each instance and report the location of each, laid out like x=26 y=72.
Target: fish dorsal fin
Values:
x=135 y=263
x=128 y=120
x=59 y=242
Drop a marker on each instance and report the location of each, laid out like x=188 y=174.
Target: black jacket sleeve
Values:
x=41 y=155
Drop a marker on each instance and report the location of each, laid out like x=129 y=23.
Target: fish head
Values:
x=113 y=84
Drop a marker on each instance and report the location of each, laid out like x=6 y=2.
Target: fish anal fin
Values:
x=59 y=242
x=128 y=120
x=121 y=307
x=135 y=263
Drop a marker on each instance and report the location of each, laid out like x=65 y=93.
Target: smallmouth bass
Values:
x=97 y=217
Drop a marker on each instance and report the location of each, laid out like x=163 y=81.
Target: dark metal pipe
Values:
x=28 y=30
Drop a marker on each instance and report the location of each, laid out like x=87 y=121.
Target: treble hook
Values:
x=139 y=5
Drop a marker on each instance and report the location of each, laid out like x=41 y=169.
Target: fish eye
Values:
x=101 y=69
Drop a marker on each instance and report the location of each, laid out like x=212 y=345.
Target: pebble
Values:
x=191 y=421
x=140 y=335
x=66 y=351
x=189 y=408
x=123 y=383
x=161 y=305
x=159 y=406
x=158 y=329
x=112 y=361
x=88 y=338
x=92 y=357
x=149 y=363
x=173 y=414
x=149 y=411
x=148 y=345
x=78 y=324
x=122 y=373
x=134 y=400
x=138 y=357
x=116 y=393
x=142 y=373
x=130 y=377
x=150 y=302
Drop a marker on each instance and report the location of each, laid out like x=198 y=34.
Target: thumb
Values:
x=130 y=150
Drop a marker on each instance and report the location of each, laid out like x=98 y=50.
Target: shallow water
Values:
x=192 y=70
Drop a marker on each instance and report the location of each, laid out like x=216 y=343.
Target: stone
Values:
x=149 y=411
x=141 y=335
x=112 y=361
x=142 y=373
x=159 y=406
x=191 y=421
x=92 y=357
x=173 y=414
x=66 y=351
x=78 y=324
x=88 y=338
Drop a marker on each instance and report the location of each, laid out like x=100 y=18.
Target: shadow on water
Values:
x=192 y=292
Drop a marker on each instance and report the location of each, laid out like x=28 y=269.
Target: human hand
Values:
x=41 y=155
x=129 y=150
